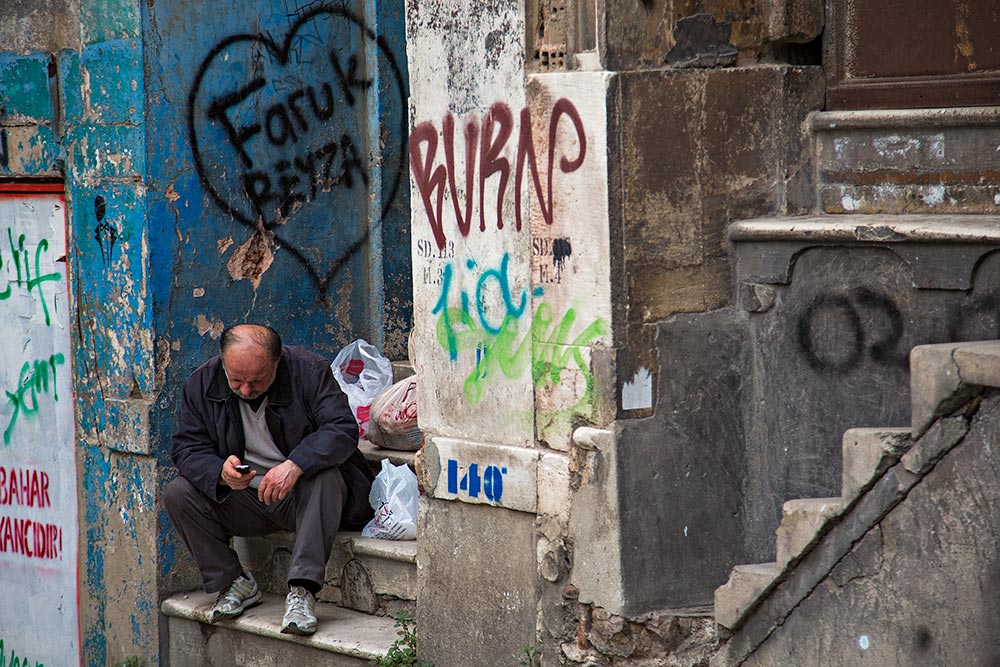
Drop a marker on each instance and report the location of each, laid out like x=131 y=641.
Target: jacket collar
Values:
x=279 y=393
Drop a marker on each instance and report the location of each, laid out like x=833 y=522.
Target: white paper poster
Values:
x=39 y=622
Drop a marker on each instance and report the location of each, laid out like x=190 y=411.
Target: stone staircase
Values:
x=818 y=539
x=367 y=582
x=920 y=182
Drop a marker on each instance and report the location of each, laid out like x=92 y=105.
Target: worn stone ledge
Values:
x=905 y=119
x=942 y=251
x=404 y=551
x=914 y=228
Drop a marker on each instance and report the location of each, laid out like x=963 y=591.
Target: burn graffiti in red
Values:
x=490 y=137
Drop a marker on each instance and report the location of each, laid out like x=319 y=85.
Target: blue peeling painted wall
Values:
x=278 y=192
x=222 y=161
x=277 y=174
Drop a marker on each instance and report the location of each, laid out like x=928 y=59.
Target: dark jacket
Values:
x=308 y=417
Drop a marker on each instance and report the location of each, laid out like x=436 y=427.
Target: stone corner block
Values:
x=979 y=363
x=944 y=376
x=867 y=453
x=554 y=493
x=802 y=521
x=744 y=587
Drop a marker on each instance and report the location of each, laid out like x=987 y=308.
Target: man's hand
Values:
x=278 y=481
x=233 y=479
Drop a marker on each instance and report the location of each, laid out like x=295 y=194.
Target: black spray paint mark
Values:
x=4 y=153
x=836 y=330
x=978 y=319
x=280 y=145
x=923 y=639
x=561 y=250
x=105 y=234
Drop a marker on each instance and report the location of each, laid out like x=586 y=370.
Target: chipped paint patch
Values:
x=850 y=203
x=212 y=327
x=934 y=195
x=253 y=258
x=895 y=146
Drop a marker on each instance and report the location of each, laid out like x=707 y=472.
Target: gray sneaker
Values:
x=300 y=612
x=240 y=596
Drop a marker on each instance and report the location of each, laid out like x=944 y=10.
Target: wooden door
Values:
x=912 y=54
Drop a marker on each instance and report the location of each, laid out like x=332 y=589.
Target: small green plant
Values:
x=403 y=652
x=527 y=656
x=131 y=661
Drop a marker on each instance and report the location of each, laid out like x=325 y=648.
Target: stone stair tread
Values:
x=802 y=522
x=867 y=453
x=400 y=550
x=758 y=569
x=339 y=630
x=745 y=585
x=375 y=454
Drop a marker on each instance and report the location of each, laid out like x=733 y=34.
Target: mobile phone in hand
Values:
x=243 y=468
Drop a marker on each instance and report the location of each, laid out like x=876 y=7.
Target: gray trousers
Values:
x=312 y=509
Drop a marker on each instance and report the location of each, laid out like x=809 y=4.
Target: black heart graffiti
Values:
x=285 y=134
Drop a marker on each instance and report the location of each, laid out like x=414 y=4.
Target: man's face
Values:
x=249 y=371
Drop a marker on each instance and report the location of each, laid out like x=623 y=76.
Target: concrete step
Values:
x=907 y=160
x=867 y=453
x=375 y=455
x=802 y=525
x=364 y=574
x=343 y=638
x=738 y=595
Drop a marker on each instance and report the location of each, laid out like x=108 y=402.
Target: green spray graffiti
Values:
x=32 y=381
x=13 y=660
x=23 y=268
x=545 y=349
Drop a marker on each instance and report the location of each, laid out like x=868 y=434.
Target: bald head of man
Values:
x=250 y=355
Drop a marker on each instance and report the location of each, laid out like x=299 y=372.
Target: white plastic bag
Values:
x=362 y=374
x=394 y=499
x=393 y=422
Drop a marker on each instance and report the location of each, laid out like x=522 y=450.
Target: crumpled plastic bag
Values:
x=394 y=498
x=362 y=374
x=393 y=422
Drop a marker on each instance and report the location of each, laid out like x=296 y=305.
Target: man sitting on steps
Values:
x=265 y=442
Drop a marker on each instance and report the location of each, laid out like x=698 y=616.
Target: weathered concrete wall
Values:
x=40 y=25
x=486 y=613
x=472 y=285
x=921 y=586
x=471 y=260
x=622 y=35
x=629 y=231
